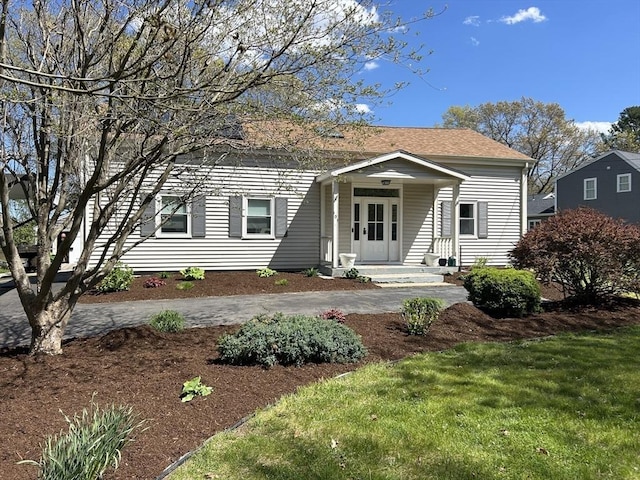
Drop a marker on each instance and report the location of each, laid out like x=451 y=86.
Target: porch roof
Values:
x=358 y=168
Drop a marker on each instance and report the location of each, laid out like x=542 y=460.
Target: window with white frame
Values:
x=259 y=218
x=467 y=219
x=590 y=188
x=624 y=183
x=174 y=216
x=534 y=223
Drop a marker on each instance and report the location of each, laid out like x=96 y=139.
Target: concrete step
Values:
x=406 y=278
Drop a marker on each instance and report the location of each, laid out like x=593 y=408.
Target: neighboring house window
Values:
x=590 y=188
x=534 y=223
x=624 y=182
x=467 y=219
x=174 y=215
x=259 y=220
x=255 y=217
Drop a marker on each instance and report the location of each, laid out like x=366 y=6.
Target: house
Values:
x=609 y=183
x=387 y=195
x=540 y=207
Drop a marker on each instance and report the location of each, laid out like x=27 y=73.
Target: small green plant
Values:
x=185 y=285
x=334 y=314
x=290 y=340
x=92 y=445
x=193 y=388
x=165 y=275
x=363 y=279
x=168 y=321
x=282 y=282
x=351 y=274
x=153 y=282
x=192 y=273
x=311 y=272
x=420 y=312
x=480 y=262
x=266 y=272
x=117 y=280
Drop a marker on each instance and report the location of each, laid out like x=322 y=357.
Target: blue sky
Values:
x=582 y=54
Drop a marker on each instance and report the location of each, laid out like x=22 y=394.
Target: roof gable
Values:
x=633 y=159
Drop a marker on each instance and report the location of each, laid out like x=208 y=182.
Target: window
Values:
x=624 y=183
x=467 y=219
x=590 y=188
x=259 y=218
x=174 y=215
x=534 y=223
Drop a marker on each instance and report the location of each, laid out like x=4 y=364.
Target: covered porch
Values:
x=385 y=212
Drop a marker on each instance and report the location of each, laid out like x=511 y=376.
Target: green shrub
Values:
x=117 y=280
x=168 y=321
x=505 y=293
x=589 y=254
x=282 y=282
x=419 y=313
x=184 y=286
x=165 y=275
x=192 y=273
x=351 y=274
x=193 y=388
x=266 y=272
x=92 y=445
x=311 y=272
x=290 y=340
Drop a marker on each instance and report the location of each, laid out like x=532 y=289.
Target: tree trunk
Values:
x=47 y=328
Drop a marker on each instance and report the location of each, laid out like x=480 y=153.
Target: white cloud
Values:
x=363 y=108
x=474 y=41
x=531 y=13
x=600 y=127
x=473 y=20
x=371 y=65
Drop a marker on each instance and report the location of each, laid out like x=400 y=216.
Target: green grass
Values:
x=562 y=408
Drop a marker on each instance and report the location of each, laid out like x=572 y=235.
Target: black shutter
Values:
x=445 y=219
x=235 y=217
x=148 y=219
x=281 y=217
x=483 y=219
x=198 y=217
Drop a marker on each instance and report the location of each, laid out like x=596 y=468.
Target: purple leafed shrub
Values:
x=154 y=282
x=334 y=314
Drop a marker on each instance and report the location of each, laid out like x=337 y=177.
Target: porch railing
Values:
x=443 y=246
x=326 y=247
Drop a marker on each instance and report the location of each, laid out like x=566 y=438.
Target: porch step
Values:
x=406 y=277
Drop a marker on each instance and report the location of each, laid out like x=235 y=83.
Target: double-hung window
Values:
x=174 y=216
x=624 y=183
x=467 y=219
x=259 y=218
x=590 y=188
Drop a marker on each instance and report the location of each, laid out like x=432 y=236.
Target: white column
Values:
x=323 y=224
x=523 y=200
x=335 y=231
x=455 y=225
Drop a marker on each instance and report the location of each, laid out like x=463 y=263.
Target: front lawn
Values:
x=561 y=408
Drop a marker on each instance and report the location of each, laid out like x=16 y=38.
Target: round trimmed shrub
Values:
x=117 y=280
x=504 y=293
x=290 y=340
x=168 y=321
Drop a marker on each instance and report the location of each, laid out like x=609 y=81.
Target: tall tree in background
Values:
x=539 y=130
x=625 y=133
x=100 y=98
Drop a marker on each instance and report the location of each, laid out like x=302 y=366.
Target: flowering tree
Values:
x=100 y=98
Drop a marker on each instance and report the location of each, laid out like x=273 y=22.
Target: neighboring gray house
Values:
x=539 y=208
x=609 y=183
x=388 y=196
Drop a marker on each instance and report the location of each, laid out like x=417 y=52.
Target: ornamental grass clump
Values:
x=290 y=340
x=92 y=445
x=168 y=321
x=420 y=313
x=503 y=292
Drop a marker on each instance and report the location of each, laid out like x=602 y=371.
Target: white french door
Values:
x=375 y=229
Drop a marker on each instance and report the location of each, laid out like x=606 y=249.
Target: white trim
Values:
x=618 y=178
x=158 y=218
x=392 y=156
x=595 y=188
x=245 y=214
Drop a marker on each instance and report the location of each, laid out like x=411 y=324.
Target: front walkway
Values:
x=94 y=319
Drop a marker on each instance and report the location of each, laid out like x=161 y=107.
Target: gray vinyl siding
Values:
x=625 y=205
x=300 y=248
x=500 y=188
x=417 y=225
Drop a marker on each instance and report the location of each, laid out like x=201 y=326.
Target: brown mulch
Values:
x=146 y=369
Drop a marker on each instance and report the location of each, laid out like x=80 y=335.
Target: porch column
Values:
x=335 y=231
x=455 y=225
x=523 y=200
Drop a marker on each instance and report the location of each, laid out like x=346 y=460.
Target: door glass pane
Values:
x=371 y=212
x=379 y=212
x=356 y=212
x=394 y=213
x=371 y=231
x=379 y=231
x=356 y=221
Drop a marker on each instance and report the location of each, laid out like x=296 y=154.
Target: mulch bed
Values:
x=145 y=369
